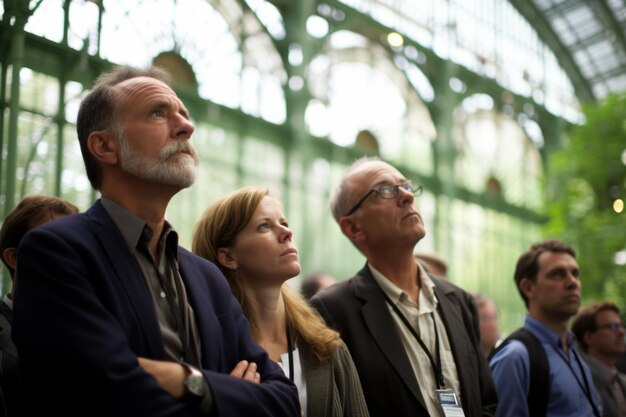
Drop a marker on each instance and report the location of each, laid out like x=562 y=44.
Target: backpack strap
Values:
x=539 y=387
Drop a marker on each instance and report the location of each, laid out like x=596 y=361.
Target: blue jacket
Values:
x=83 y=314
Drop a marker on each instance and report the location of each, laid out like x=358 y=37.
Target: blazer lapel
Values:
x=383 y=329
x=319 y=386
x=454 y=322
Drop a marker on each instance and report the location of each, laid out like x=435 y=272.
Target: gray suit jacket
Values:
x=357 y=309
x=333 y=388
x=602 y=381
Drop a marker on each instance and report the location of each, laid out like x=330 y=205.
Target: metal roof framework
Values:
x=589 y=39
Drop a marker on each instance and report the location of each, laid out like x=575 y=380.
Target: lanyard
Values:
x=585 y=388
x=436 y=365
x=290 y=353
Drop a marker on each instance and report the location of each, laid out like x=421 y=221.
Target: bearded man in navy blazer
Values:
x=414 y=338
x=112 y=317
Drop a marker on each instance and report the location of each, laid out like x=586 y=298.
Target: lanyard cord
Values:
x=290 y=353
x=436 y=365
x=585 y=388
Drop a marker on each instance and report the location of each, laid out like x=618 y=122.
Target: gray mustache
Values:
x=178 y=147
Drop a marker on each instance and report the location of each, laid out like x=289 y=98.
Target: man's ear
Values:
x=225 y=259
x=103 y=146
x=526 y=286
x=588 y=338
x=10 y=257
x=351 y=229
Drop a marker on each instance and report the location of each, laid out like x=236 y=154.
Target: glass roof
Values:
x=489 y=37
x=592 y=34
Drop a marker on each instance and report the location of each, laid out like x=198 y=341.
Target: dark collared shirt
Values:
x=174 y=314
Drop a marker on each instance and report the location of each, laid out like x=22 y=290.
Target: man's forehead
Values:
x=133 y=87
x=606 y=315
x=374 y=171
x=140 y=92
x=551 y=259
x=140 y=81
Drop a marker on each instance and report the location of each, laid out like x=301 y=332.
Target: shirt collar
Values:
x=547 y=335
x=396 y=294
x=134 y=229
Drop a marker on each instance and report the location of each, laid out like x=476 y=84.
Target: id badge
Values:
x=449 y=403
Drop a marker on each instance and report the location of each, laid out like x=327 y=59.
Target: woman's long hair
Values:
x=219 y=227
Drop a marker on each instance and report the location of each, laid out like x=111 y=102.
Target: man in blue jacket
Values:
x=112 y=317
x=541 y=372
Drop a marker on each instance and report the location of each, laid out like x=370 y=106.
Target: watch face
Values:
x=195 y=384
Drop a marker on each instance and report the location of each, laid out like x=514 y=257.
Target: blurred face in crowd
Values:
x=488 y=319
x=607 y=341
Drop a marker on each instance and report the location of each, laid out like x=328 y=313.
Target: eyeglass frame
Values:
x=415 y=189
x=611 y=326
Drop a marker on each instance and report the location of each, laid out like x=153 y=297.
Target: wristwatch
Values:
x=194 y=384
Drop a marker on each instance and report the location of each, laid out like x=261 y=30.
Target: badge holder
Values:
x=449 y=403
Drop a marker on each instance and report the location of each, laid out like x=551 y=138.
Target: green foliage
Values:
x=584 y=179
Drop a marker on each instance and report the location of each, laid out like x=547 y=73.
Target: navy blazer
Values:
x=357 y=309
x=83 y=314
x=9 y=374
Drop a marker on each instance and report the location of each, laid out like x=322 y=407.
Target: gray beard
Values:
x=171 y=168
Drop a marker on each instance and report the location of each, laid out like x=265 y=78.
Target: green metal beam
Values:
x=530 y=11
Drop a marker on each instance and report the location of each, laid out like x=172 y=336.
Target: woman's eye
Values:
x=263 y=226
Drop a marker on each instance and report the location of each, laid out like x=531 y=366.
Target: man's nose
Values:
x=183 y=128
x=405 y=196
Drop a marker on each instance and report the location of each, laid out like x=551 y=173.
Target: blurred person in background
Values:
x=313 y=283
x=488 y=319
x=32 y=211
x=433 y=263
x=600 y=332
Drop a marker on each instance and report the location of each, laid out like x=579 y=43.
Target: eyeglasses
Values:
x=612 y=326
x=388 y=192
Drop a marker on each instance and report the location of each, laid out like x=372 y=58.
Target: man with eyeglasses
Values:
x=414 y=338
x=600 y=334
x=538 y=371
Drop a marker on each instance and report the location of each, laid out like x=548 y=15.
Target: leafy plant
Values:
x=584 y=179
